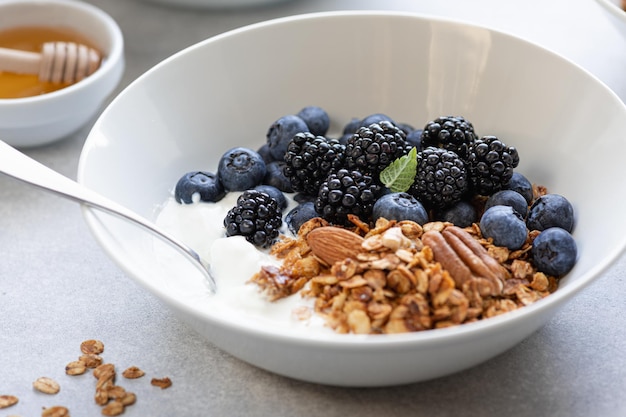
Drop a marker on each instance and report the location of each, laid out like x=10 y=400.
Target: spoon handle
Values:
x=19 y=166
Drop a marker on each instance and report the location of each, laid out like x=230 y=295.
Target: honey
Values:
x=32 y=39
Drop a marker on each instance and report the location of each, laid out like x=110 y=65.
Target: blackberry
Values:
x=452 y=133
x=441 y=178
x=309 y=159
x=347 y=192
x=256 y=217
x=371 y=149
x=490 y=165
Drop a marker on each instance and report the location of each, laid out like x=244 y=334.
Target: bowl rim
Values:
x=112 y=60
x=430 y=337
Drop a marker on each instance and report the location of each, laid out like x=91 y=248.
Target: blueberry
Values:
x=275 y=193
x=299 y=215
x=304 y=198
x=551 y=210
x=240 y=169
x=414 y=138
x=275 y=177
x=316 y=119
x=400 y=206
x=343 y=139
x=508 y=198
x=554 y=251
x=406 y=128
x=281 y=132
x=505 y=226
x=520 y=183
x=203 y=184
x=266 y=153
x=462 y=214
x=375 y=118
x=352 y=126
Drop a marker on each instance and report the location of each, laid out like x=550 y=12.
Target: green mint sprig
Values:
x=400 y=174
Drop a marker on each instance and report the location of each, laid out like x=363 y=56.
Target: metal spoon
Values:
x=19 y=166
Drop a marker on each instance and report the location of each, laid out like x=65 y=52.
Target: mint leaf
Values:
x=400 y=174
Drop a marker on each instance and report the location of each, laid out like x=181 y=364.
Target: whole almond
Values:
x=332 y=244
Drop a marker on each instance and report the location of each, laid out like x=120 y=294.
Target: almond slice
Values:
x=332 y=244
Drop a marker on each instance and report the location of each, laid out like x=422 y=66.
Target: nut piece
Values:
x=161 y=382
x=332 y=244
x=466 y=259
x=46 y=385
x=133 y=372
x=446 y=256
x=488 y=266
x=7 y=401
x=92 y=346
x=55 y=411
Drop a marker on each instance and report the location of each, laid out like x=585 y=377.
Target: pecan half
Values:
x=464 y=258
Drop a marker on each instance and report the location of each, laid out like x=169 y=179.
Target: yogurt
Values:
x=233 y=262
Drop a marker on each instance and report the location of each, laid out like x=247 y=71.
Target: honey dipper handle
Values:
x=19 y=62
x=58 y=62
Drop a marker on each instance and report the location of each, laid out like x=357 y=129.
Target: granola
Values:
x=402 y=277
x=46 y=385
x=133 y=372
x=55 y=411
x=8 y=401
x=92 y=346
x=162 y=383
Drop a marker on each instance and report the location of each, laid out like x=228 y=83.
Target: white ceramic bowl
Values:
x=45 y=118
x=184 y=113
x=215 y=4
x=617 y=13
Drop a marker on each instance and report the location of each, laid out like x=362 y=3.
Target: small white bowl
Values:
x=618 y=15
x=215 y=4
x=187 y=111
x=37 y=120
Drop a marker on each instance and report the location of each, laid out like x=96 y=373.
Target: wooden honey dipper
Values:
x=58 y=62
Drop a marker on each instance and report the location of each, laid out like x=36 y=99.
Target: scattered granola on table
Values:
x=162 y=383
x=55 y=411
x=402 y=277
x=46 y=385
x=7 y=401
x=133 y=372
